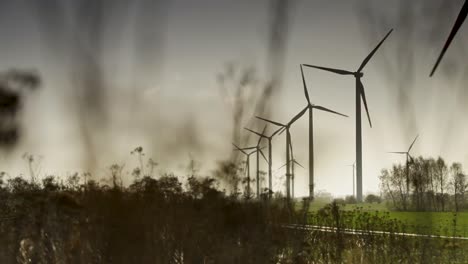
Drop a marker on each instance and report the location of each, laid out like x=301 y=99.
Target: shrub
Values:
x=350 y=199
x=371 y=198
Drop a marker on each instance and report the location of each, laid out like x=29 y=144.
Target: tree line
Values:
x=426 y=184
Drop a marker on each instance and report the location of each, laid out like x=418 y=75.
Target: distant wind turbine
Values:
x=259 y=151
x=270 y=159
x=293 y=163
x=458 y=23
x=286 y=128
x=408 y=160
x=247 y=154
x=360 y=95
x=311 y=108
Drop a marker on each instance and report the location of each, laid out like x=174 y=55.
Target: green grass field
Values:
x=438 y=223
x=434 y=223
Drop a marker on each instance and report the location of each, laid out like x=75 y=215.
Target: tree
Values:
x=420 y=183
x=433 y=185
x=372 y=198
x=458 y=184
x=441 y=174
x=398 y=180
x=385 y=186
x=430 y=168
x=350 y=199
x=229 y=173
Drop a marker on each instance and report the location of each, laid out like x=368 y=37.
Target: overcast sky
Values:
x=176 y=89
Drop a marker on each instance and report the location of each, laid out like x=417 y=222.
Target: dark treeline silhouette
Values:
x=434 y=185
x=150 y=221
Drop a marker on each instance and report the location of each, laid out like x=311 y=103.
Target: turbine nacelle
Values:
x=358 y=74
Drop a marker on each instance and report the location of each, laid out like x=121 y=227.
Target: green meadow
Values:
x=430 y=223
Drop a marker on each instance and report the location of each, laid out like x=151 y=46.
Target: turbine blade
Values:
x=256 y=133
x=369 y=57
x=337 y=71
x=282 y=166
x=291 y=146
x=328 y=110
x=239 y=149
x=263 y=155
x=298 y=116
x=270 y=121
x=282 y=131
x=458 y=23
x=305 y=86
x=295 y=161
x=363 y=96
x=413 y=143
x=260 y=138
x=249 y=148
x=253 y=152
x=276 y=132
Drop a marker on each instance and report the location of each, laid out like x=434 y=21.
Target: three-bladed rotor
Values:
x=407 y=153
x=357 y=74
x=313 y=106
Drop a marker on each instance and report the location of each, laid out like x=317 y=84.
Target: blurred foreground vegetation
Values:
x=161 y=220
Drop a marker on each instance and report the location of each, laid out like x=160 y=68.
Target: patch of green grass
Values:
x=433 y=223
x=436 y=223
x=317 y=205
x=367 y=207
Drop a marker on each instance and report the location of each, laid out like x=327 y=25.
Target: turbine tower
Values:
x=458 y=23
x=354 y=186
x=286 y=128
x=270 y=159
x=360 y=95
x=311 y=108
x=408 y=160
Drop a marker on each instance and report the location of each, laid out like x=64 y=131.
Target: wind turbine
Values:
x=293 y=162
x=458 y=23
x=270 y=159
x=286 y=128
x=360 y=95
x=243 y=151
x=408 y=160
x=311 y=108
x=259 y=151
